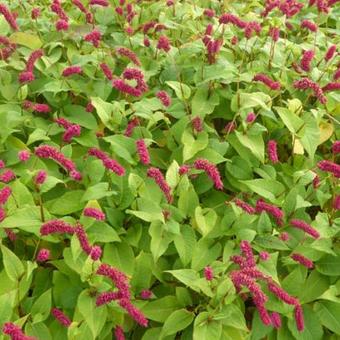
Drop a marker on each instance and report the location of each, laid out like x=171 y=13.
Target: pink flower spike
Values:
x=125 y=52
x=43 y=255
x=135 y=313
x=119 y=279
x=245 y=206
x=103 y=3
x=94 y=213
x=119 y=333
x=197 y=124
x=163 y=43
x=96 y=253
x=61 y=317
x=309 y=25
x=35 y=14
x=158 y=177
x=306 y=60
x=26 y=77
x=9 y=17
x=56 y=227
x=336 y=202
x=106 y=70
x=211 y=170
x=330 y=53
x=93 y=37
x=7 y=176
x=131 y=125
x=24 y=155
x=62 y=25
x=284 y=236
x=164 y=98
x=302 y=260
x=273 y=85
x=68 y=71
x=208 y=273
x=5 y=193
x=329 y=166
x=264 y=256
x=276 y=212
x=143 y=152
x=300 y=224
x=250 y=117
x=305 y=83
x=276 y=320
x=298 y=313
x=107 y=297
x=272 y=151
x=183 y=169
x=15 y=332
x=146 y=294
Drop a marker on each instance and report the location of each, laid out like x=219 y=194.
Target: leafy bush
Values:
x=169 y=169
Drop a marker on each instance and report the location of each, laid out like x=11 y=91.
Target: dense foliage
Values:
x=169 y=169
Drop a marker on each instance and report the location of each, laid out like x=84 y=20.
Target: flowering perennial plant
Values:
x=169 y=169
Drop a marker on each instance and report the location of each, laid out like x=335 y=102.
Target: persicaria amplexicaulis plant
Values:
x=169 y=169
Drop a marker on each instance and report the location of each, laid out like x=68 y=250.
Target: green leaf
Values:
x=206 y=329
x=254 y=143
x=177 y=321
x=27 y=219
x=202 y=103
x=26 y=39
x=95 y=317
x=329 y=265
x=193 y=145
x=313 y=329
x=315 y=286
x=104 y=111
x=42 y=307
x=66 y=204
x=160 y=240
x=293 y=122
x=252 y=100
x=267 y=188
x=96 y=192
x=188 y=201
x=182 y=91
x=311 y=135
x=328 y=312
x=159 y=310
x=205 y=252
x=12 y=264
x=205 y=220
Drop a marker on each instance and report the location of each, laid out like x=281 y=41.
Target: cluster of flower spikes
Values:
x=61 y=227
x=83 y=9
x=306 y=83
x=36 y=107
x=213 y=46
x=7 y=175
x=50 y=152
x=108 y=162
x=120 y=280
x=247 y=276
x=289 y=8
x=9 y=17
x=131 y=74
x=27 y=75
x=15 y=332
x=71 y=130
x=62 y=23
x=5 y=193
x=127 y=9
x=8 y=49
x=248 y=27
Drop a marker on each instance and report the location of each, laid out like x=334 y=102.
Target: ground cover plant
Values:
x=169 y=169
